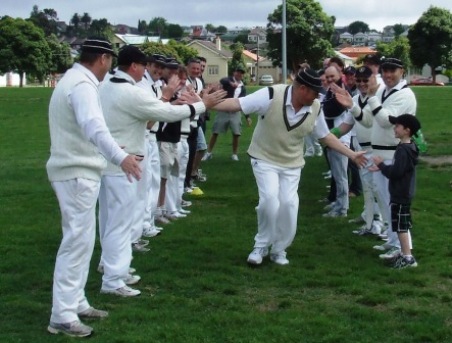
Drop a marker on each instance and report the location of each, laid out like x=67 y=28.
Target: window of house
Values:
x=213 y=70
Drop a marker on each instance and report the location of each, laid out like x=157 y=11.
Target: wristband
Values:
x=336 y=131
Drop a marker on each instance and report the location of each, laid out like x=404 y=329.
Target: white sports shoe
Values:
x=125 y=291
x=184 y=211
x=207 y=156
x=150 y=232
x=382 y=247
x=257 y=255
x=279 y=258
x=73 y=329
x=234 y=157
x=161 y=219
x=132 y=279
x=390 y=254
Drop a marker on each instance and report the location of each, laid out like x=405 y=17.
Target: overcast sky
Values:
x=230 y=13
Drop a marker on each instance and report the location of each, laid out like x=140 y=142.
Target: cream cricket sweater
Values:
x=274 y=140
x=72 y=155
x=394 y=102
x=127 y=109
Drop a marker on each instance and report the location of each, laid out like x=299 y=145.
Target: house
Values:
x=200 y=32
x=346 y=37
x=360 y=39
x=373 y=38
x=124 y=29
x=217 y=58
x=257 y=35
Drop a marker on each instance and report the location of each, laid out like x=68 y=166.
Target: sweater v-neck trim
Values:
x=286 y=119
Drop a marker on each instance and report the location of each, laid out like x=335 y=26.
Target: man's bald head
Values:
x=332 y=75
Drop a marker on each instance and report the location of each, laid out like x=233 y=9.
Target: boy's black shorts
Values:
x=401 y=217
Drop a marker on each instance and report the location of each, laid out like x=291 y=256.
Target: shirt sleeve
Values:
x=257 y=102
x=320 y=128
x=88 y=113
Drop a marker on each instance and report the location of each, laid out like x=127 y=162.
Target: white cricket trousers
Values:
x=77 y=199
x=152 y=176
x=140 y=204
x=382 y=187
x=369 y=191
x=117 y=200
x=175 y=183
x=278 y=205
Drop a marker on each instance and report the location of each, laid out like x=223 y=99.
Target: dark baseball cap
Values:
x=350 y=70
x=391 y=63
x=372 y=59
x=157 y=58
x=171 y=63
x=98 y=45
x=309 y=78
x=363 y=72
x=131 y=54
x=407 y=121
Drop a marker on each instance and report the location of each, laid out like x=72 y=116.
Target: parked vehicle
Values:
x=425 y=81
x=266 y=80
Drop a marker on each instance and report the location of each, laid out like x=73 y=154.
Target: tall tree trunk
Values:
x=21 y=79
x=432 y=70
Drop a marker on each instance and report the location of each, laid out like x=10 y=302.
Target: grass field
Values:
x=196 y=285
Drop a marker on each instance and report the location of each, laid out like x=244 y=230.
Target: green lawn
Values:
x=196 y=285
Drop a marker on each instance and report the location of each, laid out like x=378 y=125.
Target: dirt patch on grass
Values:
x=437 y=160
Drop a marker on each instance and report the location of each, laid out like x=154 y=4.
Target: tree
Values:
x=61 y=59
x=151 y=48
x=75 y=20
x=222 y=29
x=358 y=26
x=398 y=29
x=183 y=51
x=45 y=19
x=211 y=28
x=242 y=38
x=158 y=26
x=175 y=31
x=398 y=48
x=23 y=48
x=142 y=27
x=431 y=39
x=101 y=28
x=237 y=57
x=86 y=20
x=309 y=32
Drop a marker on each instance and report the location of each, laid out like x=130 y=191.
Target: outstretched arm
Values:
x=332 y=142
x=228 y=105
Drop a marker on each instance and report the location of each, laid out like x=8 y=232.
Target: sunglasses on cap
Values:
x=362 y=80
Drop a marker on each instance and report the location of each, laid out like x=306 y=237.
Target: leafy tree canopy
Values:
x=309 y=32
x=61 y=59
x=398 y=29
x=177 y=50
x=23 y=48
x=358 y=26
x=398 y=48
x=45 y=19
x=431 y=39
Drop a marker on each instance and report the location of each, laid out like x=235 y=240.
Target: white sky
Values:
x=230 y=13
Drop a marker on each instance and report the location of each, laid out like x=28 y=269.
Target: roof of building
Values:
x=212 y=47
x=357 y=51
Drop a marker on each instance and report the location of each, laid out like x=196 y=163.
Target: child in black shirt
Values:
x=402 y=175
